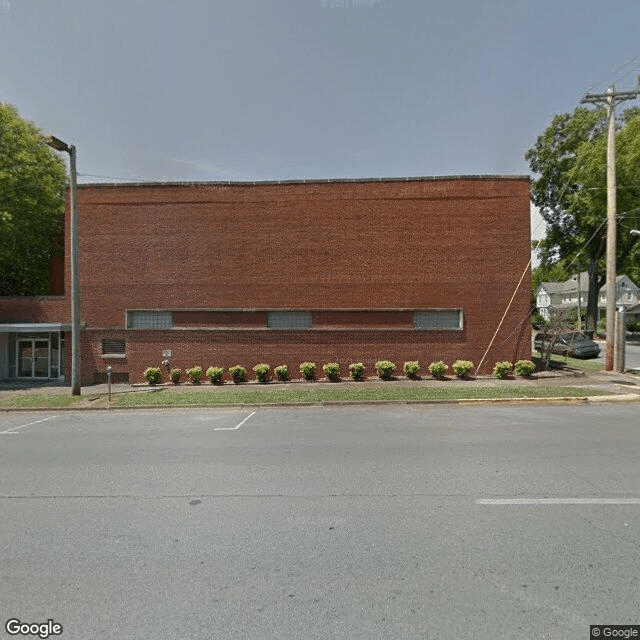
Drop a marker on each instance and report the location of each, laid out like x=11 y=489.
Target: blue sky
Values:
x=294 y=89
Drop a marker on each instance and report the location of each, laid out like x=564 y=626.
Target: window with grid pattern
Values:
x=149 y=320
x=438 y=319
x=289 y=320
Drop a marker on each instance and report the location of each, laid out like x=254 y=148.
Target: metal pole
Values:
x=611 y=231
x=109 y=372
x=579 y=314
x=621 y=327
x=75 y=286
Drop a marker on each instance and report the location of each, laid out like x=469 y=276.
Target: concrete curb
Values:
x=630 y=397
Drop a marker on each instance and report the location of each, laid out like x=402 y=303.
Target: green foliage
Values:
x=332 y=371
x=356 y=370
x=385 y=369
x=462 y=367
x=175 y=375
x=569 y=158
x=308 y=370
x=502 y=369
x=152 y=375
x=238 y=373
x=411 y=368
x=438 y=369
x=262 y=372
x=282 y=372
x=633 y=326
x=194 y=374
x=523 y=368
x=32 y=191
x=215 y=374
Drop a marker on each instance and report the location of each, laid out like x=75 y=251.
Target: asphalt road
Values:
x=341 y=523
x=631 y=355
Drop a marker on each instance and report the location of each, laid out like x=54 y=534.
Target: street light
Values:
x=635 y=232
x=59 y=145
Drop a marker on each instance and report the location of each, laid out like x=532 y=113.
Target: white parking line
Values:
x=13 y=429
x=236 y=427
x=543 y=501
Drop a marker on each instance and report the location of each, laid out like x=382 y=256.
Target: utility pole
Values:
x=610 y=100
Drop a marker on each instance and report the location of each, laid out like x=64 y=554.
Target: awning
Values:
x=34 y=327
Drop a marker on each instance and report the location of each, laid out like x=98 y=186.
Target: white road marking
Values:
x=13 y=429
x=544 y=501
x=236 y=427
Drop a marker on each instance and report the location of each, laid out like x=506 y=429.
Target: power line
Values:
x=613 y=73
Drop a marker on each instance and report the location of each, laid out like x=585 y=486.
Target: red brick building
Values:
x=286 y=272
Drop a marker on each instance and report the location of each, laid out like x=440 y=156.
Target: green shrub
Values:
x=502 y=369
x=356 y=370
x=282 y=372
x=194 y=374
x=332 y=371
x=215 y=374
x=438 y=369
x=238 y=373
x=385 y=369
x=412 y=368
x=523 y=368
x=633 y=326
x=462 y=367
x=262 y=372
x=175 y=375
x=308 y=370
x=153 y=375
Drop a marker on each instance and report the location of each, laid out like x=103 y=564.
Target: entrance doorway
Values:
x=33 y=358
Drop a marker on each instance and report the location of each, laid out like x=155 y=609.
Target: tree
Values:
x=32 y=192
x=571 y=193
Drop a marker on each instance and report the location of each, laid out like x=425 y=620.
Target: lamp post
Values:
x=59 y=145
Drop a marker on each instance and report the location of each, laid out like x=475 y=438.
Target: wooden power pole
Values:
x=610 y=100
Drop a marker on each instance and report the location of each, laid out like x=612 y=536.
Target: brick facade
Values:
x=360 y=256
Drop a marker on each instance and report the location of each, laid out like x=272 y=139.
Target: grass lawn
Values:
x=574 y=363
x=40 y=400
x=257 y=396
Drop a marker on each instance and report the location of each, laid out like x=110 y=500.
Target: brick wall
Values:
x=35 y=309
x=205 y=250
x=359 y=255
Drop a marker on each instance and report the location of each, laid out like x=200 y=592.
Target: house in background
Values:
x=219 y=274
x=552 y=296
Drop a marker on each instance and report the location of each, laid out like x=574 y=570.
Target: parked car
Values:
x=574 y=344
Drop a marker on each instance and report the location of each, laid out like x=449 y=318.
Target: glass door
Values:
x=33 y=358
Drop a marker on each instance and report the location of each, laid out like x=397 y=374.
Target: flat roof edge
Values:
x=304 y=181
x=33 y=327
